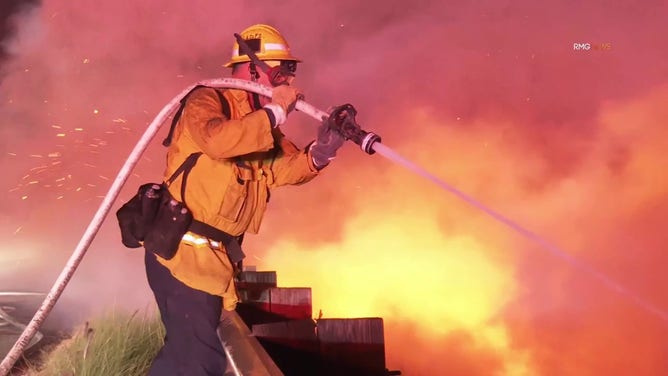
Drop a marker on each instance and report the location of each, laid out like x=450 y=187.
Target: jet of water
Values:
x=607 y=281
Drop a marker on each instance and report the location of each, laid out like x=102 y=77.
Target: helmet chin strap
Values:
x=255 y=75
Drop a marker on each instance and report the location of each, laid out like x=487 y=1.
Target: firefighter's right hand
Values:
x=286 y=96
x=283 y=100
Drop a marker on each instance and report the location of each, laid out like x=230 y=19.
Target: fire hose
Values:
x=365 y=140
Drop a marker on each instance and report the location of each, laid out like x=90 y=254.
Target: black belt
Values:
x=232 y=243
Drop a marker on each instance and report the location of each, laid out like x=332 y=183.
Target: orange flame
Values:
x=437 y=270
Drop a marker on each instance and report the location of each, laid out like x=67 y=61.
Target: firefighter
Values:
x=244 y=155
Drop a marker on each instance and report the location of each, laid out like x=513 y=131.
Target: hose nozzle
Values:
x=342 y=119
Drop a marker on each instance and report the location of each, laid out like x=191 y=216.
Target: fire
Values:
x=402 y=267
x=405 y=256
x=389 y=266
x=448 y=278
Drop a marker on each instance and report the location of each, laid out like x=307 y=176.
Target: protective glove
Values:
x=328 y=141
x=283 y=100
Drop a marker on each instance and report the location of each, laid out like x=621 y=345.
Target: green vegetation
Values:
x=115 y=344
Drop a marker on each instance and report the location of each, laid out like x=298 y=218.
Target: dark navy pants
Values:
x=191 y=318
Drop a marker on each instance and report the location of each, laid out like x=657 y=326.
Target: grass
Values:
x=115 y=344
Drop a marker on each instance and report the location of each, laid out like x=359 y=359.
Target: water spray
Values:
x=542 y=242
x=341 y=118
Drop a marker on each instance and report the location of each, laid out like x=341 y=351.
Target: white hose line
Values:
x=94 y=226
x=263 y=90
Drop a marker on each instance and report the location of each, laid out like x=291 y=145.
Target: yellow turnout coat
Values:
x=228 y=188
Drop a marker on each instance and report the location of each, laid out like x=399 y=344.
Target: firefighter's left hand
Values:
x=328 y=141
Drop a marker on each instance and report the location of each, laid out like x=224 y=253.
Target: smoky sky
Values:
x=491 y=96
x=10 y=14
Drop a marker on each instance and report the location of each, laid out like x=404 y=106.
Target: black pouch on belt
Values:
x=168 y=227
x=136 y=215
x=154 y=217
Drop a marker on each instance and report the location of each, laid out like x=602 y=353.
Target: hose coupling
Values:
x=342 y=120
